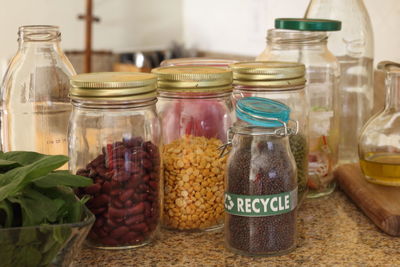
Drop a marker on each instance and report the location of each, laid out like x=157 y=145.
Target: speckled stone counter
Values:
x=332 y=232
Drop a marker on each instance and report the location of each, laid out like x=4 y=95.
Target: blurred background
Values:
x=139 y=34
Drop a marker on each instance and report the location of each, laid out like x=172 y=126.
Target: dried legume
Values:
x=194 y=183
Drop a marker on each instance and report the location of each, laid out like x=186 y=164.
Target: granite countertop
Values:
x=332 y=231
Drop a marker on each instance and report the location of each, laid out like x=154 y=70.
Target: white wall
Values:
x=125 y=25
x=239 y=26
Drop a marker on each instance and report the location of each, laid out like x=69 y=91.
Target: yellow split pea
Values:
x=194 y=183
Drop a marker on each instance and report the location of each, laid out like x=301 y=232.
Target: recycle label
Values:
x=260 y=205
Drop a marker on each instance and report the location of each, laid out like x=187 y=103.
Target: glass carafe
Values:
x=379 y=147
x=35 y=107
x=353 y=47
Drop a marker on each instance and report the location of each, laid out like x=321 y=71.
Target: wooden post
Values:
x=89 y=18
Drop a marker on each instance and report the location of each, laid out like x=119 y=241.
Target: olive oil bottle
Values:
x=379 y=144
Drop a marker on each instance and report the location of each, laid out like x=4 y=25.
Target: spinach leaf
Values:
x=16 y=179
x=6 y=213
x=62 y=178
x=37 y=208
x=23 y=158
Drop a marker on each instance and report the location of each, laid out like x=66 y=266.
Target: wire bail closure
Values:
x=283 y=131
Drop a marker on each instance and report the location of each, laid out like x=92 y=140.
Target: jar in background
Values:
x=114 y=138
x=198 y=61
x=305 y=41
x=195 y=110
x=353 y=47
x=35 y=108
x=283 y=82
x=379 y=148
x=261 y=183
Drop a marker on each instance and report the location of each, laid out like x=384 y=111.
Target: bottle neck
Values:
x=41 y=37
x=393 y=92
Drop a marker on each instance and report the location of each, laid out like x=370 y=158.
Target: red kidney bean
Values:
x=126 y=195
x=98 y=211
x=140 y=227
x=118 y=232
x=99 y=201
x=128 y=203
x=134 y=219
x=116 y=213
x=125 y=192
x=92 y=189
x=137 y=209
x=117 y=203
x=106 y=188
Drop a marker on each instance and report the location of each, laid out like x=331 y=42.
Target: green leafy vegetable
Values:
x=34 y=193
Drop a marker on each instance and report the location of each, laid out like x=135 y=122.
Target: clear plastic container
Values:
x=305 y=41
x=261 y=185
x=35 y=108
x=195 y=109
x=353 y=47
x=379 y=147
x=283 y=82
x=115 y=138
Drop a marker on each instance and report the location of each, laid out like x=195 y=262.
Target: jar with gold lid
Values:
x=283 y=82
x=195 y=110
x=114 y=138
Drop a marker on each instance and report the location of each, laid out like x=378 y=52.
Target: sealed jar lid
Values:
x=324 y=25
x=193 y=79
x=274 y=74
x=262 y=112
x=113 y=85
x=198 y=61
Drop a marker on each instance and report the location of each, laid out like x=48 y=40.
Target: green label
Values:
x=261 y=205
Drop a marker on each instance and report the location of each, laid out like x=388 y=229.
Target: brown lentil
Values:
x=194 y=183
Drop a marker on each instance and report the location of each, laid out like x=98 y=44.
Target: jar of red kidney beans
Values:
x=114 y=138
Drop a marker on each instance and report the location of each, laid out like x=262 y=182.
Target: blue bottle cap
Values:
x=262 y=112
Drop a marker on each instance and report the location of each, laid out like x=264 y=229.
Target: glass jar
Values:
x=353 y=47
x=305 y=41
x=261 y=183
x=379 y=148
x=35 y=108
x=195 y=111
x=198 y=61
x=114 y=138
x=283 y=82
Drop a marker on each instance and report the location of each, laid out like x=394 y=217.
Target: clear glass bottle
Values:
x=353 y=47
x=379 y=147
x=305 y=41
x=35 y=107
x=283 y=82
x=115 y=138
x=261 y=184
x=195 y=109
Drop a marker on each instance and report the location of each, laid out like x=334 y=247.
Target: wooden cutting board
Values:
x=380 y=203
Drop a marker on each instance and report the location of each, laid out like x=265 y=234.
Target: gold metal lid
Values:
x=113 y=86
x=268 y=73
x=193 y=79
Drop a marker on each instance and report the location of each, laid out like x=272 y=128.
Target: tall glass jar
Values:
x=305 y=41
x=261 y=183
x=35 y=108
x=283 y=82
x=114 y=138
x=353 y=47
x=196 y=111
x=379 y=147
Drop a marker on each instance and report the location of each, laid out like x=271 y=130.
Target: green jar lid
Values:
x=324 y=25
